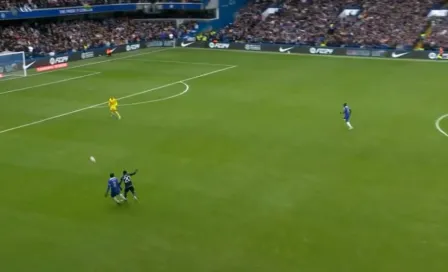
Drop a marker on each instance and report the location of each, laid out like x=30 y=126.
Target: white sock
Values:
x=122 y=196
x=117 y=200
x=349 y=125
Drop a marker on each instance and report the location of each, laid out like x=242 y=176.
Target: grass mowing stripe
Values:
x=121 y=98
x=49 y=83
x=183 y=62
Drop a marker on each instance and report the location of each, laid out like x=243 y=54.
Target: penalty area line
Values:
x=120 y=98
x=437 y=123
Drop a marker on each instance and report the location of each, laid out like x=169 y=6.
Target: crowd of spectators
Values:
x=384 y=23
x=438 y=37
x=53 y=38
x=387 y=23
x=380 y=23
x=297 y=21
x=248 y=18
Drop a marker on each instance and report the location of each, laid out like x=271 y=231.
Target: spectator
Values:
x=382 y=23
x=53 y=38
x=438 y=35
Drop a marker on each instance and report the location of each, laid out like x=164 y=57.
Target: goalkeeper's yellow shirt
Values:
x=113 y=102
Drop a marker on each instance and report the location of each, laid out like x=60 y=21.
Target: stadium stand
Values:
x=438 y=36
x=385 y=23
x=382 y=23
x=53 y=38
x=299 y=22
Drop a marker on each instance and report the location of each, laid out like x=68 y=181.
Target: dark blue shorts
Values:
x=114 y=193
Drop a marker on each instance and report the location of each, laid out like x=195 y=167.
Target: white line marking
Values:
x=308 y=55
x=156 y=100
x=438 y=124
x=121 y=98
x=182 y=62
x=113 y=58
x=49 y=83
x=84 y=71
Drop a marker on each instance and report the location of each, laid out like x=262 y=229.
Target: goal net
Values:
x=12 y=64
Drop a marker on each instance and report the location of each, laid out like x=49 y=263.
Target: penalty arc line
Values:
x=49 y=83
x=187 y=87
x=121 y=98
x=438 y=124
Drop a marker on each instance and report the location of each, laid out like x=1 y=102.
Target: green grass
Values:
x=251 y=170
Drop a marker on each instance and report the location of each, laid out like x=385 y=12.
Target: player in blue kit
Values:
x=114 y=187
x=347 y=114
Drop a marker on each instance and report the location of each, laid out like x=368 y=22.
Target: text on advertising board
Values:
x=87 y=55
x=434 y=56
x=219 y=45
x=159 y=43
x=323 y=51
x=252 y=47
x=132 y=47
x=57 y=60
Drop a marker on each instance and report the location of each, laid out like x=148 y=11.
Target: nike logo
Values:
x=26 y=66
x=395 y=55
x=185 y=44
x=285 y=49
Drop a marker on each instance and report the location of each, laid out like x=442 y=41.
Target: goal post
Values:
x=13 y=64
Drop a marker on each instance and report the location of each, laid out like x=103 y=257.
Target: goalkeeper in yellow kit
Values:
x=113 y=104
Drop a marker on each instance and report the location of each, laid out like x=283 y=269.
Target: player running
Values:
x=128 y=186
x=114 y=187
x=113 y=104
x=347 y=113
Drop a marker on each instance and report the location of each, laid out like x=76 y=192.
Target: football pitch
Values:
x=245 y=165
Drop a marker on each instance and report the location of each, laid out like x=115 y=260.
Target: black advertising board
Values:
x=318 y=50
x=253 y=47
x=66 y=58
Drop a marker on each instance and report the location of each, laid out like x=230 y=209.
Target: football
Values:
x=92 y=159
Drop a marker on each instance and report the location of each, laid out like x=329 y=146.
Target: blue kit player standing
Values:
x=347 y=113
x=114 y=187
x=128 y=186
